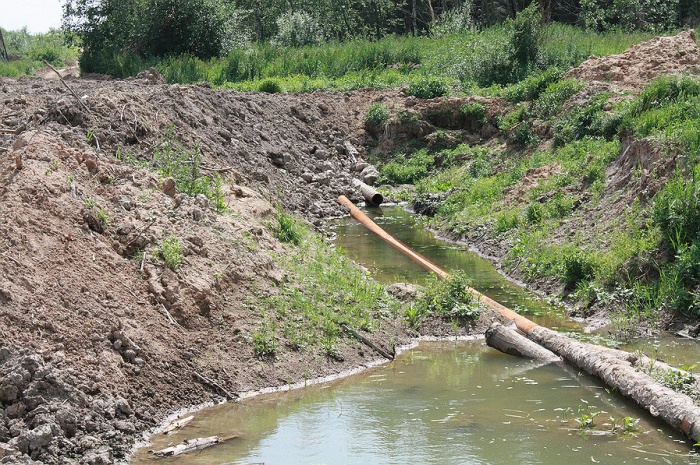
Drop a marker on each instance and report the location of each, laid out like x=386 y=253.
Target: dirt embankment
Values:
x=99 y=341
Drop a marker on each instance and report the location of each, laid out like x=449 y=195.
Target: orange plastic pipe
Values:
x=522 y=323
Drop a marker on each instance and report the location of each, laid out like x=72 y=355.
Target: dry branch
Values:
x=216 y=386
x=67 y=86
x=177 y=424
x=367 y=342
x=190 y=445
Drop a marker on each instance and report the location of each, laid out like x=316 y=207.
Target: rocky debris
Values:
x=642 y=63
x=49 y=414
x=405 y=292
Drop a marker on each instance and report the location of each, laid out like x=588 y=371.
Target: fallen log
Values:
x=620 y=370
x=190 y=445
x=509 y=341
x=367 y=342
x=177 y=424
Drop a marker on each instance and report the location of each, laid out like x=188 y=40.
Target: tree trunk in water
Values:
x=617 y=369
x=509 y=341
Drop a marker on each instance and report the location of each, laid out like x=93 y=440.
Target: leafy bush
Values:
x=645 y=15
x=456 y=20
x=665 y=90
x=526 y=36
x=377 y=114
x=474 y=110
x=549 y=102
x=677 y=210
x=427 y=88
x=531 y=87
x=577 y=267
x=270 y=86
x=170 y=251
x=296 y=29
x=408 y=170
x=451 y=297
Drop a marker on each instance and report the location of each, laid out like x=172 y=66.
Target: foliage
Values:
x=531 y=87
x=128 y=29
x=549 y=102
x=475 y=111
x=647 y=15
x=677 y=210
x=378 y=114
x=264 y=340
x=328 y=290
x=183 y=164
x=450 y=297
x=408 y=169
x=170 y=251
x=459 y=19
x=27 y=51
x=296 y=29
x=427 y=88
x=270 y=86
x=288 y=228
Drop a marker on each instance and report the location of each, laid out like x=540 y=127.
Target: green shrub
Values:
x=507 y=220
x=270 y=86
x=288 y=229
x=531 y=87
x=677 y=210
x=265 y=342
x=474 y=110
x=451 y=297
x=408 y=169
x=577 y=267
x=170 y=251
x=526 y=36
x=296 y=29
x=549 y=102
x=427 y=88
x=378 y=114
x=534 y=213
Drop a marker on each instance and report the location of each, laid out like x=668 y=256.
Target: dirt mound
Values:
x=642 y=63
x=92 y=321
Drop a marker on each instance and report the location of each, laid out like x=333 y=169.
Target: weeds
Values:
x=377 y=115
x=450 y=298
x=170 y=251
x=184 y=164
x=289 y=229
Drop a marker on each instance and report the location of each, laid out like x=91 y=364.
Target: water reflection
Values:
x=442 y=403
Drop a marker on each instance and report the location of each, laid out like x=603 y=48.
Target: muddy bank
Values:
x=100 y=338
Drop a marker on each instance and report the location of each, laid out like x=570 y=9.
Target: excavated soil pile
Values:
x=642 y=63
x=97 y=342
x=99 y=339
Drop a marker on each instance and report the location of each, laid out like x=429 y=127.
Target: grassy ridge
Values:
x=458 y=60
x=643 y=262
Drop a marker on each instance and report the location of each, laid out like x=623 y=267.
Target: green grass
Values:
x=170 y=251
x=454 y=60
x=325 y=290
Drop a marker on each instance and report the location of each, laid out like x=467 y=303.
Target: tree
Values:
x=110 y=29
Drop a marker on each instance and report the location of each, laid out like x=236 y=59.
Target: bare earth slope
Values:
x=97 y=345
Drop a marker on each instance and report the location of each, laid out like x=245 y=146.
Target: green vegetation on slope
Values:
x=550 y=202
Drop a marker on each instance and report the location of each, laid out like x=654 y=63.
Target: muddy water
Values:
x=450 y=402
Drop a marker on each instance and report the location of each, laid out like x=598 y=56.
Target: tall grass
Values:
x=457 y=59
